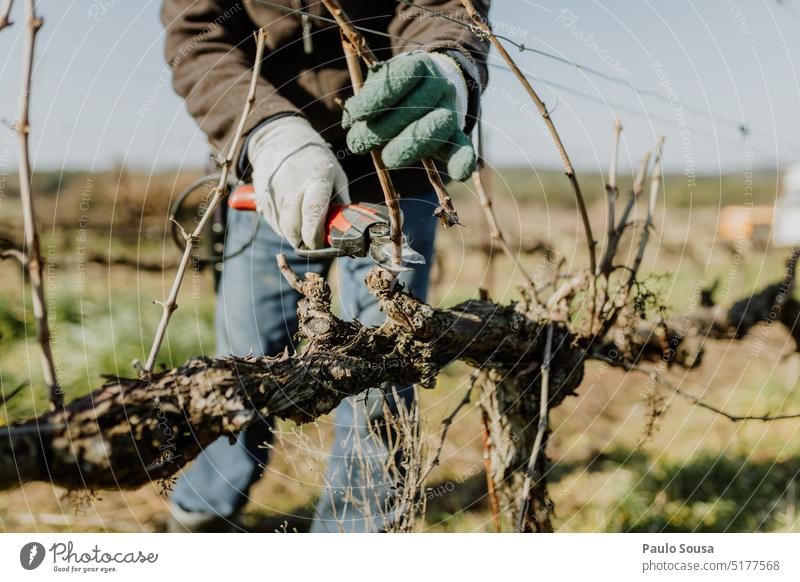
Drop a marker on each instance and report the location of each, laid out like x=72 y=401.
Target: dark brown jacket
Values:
x=210 y=47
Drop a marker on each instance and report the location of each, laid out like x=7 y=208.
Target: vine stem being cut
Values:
x=446 y=214
x=390 y=195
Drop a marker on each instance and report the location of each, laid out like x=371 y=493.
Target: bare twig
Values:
x=290 y=276
x=612 y=191
x=5 y=14
x=486 y=241
x=390 y=195
x=219 y=192
x=655 y=187
x=447 y=422
x=607 y=264
x=352 y=36
x=541 y=429
x=657 y=377
x=620 y=301
x=6 y=398
x=31 y=256
x=732 y=417
x=485 y=30
x=15 y=254
x=494 y=502
x=612 y=195
x=446 y=214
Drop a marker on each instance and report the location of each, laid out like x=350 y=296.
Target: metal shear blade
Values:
x=381 y=252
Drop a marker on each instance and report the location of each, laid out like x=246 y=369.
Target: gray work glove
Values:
x=296 y=177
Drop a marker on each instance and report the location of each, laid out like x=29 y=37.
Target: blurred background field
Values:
x=696 y=472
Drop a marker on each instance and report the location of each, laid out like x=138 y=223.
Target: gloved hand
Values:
x=415 y=106
x=296 y=177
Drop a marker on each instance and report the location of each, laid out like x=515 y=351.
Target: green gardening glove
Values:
x=413 y=106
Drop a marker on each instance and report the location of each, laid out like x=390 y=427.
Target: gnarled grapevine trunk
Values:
x=132 y=431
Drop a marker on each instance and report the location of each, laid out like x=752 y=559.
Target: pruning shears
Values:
x=351 y=230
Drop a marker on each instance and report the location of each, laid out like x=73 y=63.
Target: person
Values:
x=305 y=142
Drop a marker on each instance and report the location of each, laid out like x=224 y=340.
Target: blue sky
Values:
x=102 y=93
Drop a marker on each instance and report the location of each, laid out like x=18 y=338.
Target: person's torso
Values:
x=306 y=64
x=305 y=61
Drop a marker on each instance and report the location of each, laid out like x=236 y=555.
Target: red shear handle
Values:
x=348 y=221
x=346 y=225
x=243 y=198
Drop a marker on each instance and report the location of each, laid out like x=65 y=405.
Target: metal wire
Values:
x=586 y=69
x=618 y=106
x=738 y=126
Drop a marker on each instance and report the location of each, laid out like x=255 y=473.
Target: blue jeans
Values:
x=256 y=313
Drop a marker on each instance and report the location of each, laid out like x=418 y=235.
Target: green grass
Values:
x=98 y=331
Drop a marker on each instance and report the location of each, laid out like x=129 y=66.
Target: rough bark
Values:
x=132 y=431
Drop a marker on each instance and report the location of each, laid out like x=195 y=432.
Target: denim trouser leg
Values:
x=256 y=312
x=357 y=492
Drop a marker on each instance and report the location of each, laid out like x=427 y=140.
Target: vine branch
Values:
x=542 y=426
x=485 y=30
x=496 y=234
x=5 y=14
x=656 y=376
x=31 y=256
x=390 y=195
x=170 y=304
x=148 y=428
x=446 y=214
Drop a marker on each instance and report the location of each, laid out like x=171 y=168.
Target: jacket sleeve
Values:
x=415 y=27
x=210 y=49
